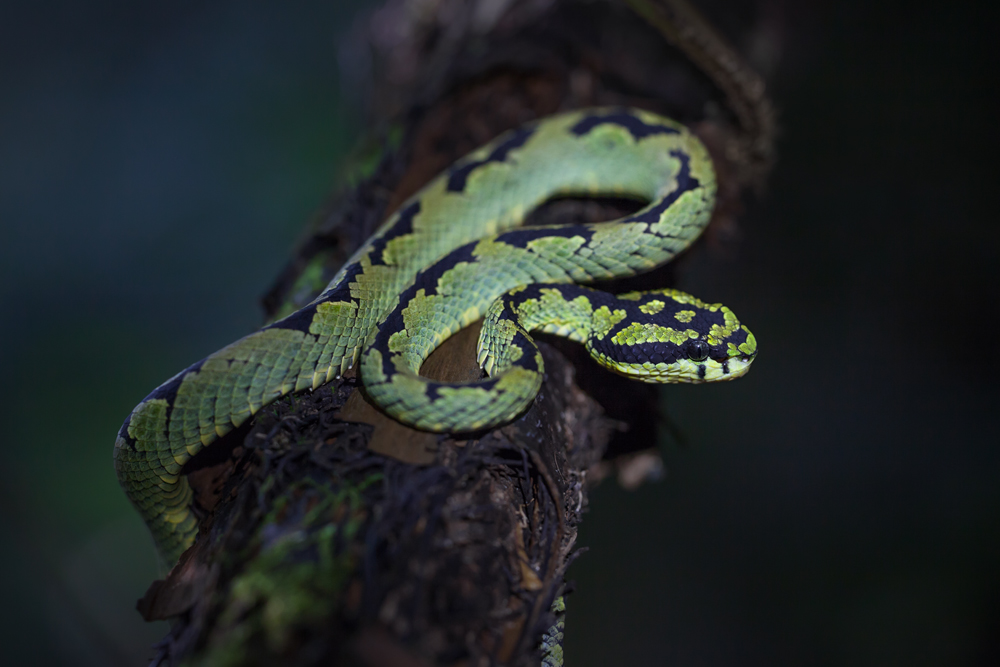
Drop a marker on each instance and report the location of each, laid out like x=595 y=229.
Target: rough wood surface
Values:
x=334 y=535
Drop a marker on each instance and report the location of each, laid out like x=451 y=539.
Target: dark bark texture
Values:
x=333 y=535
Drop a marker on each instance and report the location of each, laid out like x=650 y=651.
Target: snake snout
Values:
x=738 y=366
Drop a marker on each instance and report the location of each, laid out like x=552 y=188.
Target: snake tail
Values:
x=551 y=646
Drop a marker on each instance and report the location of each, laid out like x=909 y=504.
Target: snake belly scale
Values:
x=452 y=253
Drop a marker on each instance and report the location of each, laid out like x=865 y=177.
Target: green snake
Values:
x=449 y=255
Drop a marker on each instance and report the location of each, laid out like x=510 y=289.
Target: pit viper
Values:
x=449 y=255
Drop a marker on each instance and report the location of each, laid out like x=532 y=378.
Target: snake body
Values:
x=449 y=255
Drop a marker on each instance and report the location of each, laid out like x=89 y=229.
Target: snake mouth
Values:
x=683 y=371
x=735 y=367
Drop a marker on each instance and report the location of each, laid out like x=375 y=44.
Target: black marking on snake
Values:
x=655 y=352
x=720 y=352
x=660 y=353
x=426 y=280
x=507 y=311
x=123 y=433
x=432 y=390
x=638 y=128
x=534 y=291
x=511 y=301
x=167 y=392
x=301 y=319
x=460 y=175
x=701 y=371
x=527 y=360
x=597 y=298
x=725 y=368
x=429 y=277
x=402 y=227
x=685 y=183
x=520 y=238
x=568 y=291
x=621 y=324
x=341 y=292
x=297 y=321
x=702 y=321
x=393 y=323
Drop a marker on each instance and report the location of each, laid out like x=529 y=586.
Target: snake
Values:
x=453 y=253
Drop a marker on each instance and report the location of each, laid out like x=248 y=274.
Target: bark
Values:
x=333 y=535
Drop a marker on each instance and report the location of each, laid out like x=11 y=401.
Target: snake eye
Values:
x=698 y=350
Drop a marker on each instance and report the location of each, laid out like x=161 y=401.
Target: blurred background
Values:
x=839 y=506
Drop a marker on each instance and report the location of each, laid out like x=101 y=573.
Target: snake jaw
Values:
x=729 y=368
x=682 y=371
x=736 y=366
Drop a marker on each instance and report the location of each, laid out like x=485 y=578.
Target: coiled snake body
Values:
x=449 y=255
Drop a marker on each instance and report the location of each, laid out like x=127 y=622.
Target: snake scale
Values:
x=449 y=255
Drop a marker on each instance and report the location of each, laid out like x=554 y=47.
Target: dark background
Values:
x=838 y=506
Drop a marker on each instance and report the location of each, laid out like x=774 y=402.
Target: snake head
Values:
x=671 y=336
